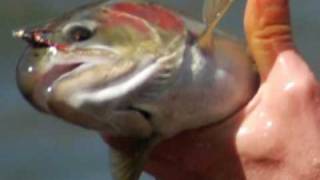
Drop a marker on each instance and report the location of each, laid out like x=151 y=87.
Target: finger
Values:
x=268 y=31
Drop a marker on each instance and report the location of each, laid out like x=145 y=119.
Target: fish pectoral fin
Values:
x=213 y=11
x=130 y=166
x=125 y=167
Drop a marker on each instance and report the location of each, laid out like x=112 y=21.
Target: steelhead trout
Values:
x=136 y=69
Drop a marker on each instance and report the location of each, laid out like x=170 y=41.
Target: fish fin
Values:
x=125 y=167
x=213 y=11
x=130 y=165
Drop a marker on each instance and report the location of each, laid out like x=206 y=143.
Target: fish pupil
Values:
x=80 y=33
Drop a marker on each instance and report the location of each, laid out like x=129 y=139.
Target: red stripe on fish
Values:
x=116 y=18
x=154 y=14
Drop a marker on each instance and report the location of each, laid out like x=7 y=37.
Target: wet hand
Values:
x=276 y=136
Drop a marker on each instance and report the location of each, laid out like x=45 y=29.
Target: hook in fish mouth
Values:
x=35 y=38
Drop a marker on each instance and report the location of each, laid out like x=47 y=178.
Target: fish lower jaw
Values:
x=116 y=90
x=45 y=86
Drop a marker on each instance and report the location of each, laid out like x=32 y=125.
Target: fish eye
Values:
x=78 y=33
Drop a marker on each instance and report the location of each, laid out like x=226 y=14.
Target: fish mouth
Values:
x=52 y=81
x=45 y=85
x=124 y=119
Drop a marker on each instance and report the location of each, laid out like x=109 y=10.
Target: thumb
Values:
x=268 y=31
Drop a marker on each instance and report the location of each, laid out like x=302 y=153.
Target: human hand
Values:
x=276 y=136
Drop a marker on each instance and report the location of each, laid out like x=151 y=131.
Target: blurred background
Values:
x=34 y=146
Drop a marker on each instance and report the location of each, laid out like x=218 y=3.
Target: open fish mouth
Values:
x=105 y=104
x=48 y=88
x=40 y=81
x=36 y=85
x=45 y=85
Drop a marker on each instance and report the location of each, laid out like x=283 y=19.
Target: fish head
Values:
x=88 y=66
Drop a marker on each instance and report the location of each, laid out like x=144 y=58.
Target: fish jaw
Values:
x=109 y=104
x=70 y=86
x=39 y=69
x=34 y=77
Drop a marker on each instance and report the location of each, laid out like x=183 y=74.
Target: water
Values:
x=37 y=147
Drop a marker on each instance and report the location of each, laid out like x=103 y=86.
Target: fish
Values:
x=136 y=70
